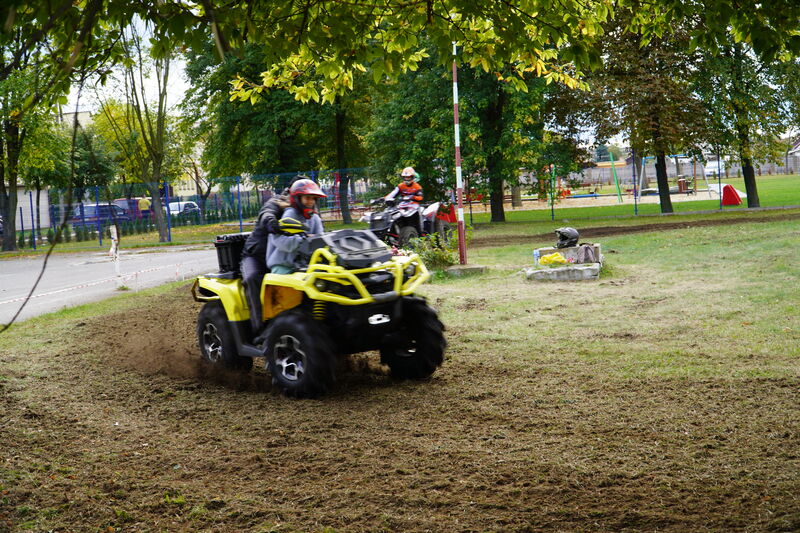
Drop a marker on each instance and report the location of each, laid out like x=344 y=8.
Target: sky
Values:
x=89 y=101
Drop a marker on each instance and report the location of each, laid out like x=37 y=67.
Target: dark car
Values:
x=130 y=206
x=87 y=215
x=1 y=226
x=183 y=209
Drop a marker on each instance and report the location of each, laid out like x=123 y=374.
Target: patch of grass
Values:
x=174 y=498
x=123 y=516
x=197 y=512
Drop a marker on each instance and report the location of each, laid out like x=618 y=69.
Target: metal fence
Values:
x=90 y=211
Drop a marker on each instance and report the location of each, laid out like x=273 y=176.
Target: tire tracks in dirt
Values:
x=607 y=231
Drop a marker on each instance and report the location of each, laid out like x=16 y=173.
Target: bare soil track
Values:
x=118 y=427
x=606 y=231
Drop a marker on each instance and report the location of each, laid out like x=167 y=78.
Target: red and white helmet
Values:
x=408 y=174
x=301 y=187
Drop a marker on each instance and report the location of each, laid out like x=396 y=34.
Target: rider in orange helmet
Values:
x=408 y=189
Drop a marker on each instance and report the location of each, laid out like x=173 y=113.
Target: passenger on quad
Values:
x=409 y=190
x=254 y=254
x=299 y=221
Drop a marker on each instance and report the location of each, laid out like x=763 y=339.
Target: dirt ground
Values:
x=117 y=427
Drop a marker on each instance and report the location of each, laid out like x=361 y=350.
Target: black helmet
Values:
x=566 y=237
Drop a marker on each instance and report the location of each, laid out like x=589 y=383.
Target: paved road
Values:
x=74 y=279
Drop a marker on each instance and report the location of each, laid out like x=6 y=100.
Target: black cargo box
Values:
x=229 y=250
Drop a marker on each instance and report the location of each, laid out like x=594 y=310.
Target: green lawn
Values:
x=773 y=191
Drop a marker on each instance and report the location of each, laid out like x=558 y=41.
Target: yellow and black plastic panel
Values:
x=322 y=266
x=230 y=292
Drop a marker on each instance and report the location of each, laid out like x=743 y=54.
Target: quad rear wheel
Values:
x=443 y=231
x=299 y=355
x=418 y=348
x=216 y=339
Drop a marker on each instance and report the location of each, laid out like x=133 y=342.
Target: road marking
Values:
x=84 y=285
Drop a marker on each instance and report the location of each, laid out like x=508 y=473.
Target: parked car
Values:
x=1 y=226
x=182 y=209
x=106 y=213
x=131 y=206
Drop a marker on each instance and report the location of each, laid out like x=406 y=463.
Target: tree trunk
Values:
x=341 y=162
x=516 y=196
x=748 y=171
x=663 y=182
x=494 y=162
x=157 y=212
x=202 y=196
x=496 y=200
x=661 y=164
x=743 y=131
x=750 y=182
x=8 y=196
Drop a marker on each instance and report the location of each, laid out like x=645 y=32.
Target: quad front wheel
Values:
x=216 y=339
x=418 y=348
x=299 y=355
x=406 y=234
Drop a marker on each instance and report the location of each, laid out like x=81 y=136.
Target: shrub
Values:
x=21 y=240
x=434 y=256
x=437 y=255
x=67 y=234
x=51 y=235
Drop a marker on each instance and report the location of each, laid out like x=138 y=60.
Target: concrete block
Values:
x=465 y=270
x=580 y=272
x=571 y=252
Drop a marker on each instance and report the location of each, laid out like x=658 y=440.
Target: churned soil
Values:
x=118 y=427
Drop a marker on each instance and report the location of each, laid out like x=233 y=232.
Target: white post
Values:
x=462 y=245
x=113 y=252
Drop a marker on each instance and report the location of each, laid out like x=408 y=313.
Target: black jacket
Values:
x=266 y=223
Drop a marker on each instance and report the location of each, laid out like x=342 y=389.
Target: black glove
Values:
x=274 y=226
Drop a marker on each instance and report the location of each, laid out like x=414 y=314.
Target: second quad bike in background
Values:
x=397 y=224
x=354 y=296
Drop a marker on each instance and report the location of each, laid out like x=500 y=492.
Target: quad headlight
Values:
x=321 y=285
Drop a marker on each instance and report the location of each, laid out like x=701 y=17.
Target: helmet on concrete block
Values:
x=566 y=237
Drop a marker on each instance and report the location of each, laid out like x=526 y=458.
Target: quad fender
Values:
x=230 y=292
x=429 y=212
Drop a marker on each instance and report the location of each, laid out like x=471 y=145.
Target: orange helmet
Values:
x=301 y=187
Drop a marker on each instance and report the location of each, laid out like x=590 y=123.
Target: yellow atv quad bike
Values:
x=354 y=296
